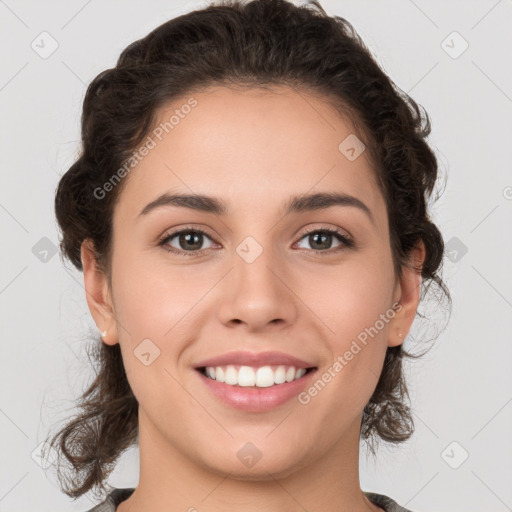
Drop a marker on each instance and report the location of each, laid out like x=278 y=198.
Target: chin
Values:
x=250 y=464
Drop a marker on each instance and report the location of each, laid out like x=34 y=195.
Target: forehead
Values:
x=252 y=147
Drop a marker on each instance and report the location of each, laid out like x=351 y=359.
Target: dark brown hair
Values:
x=239 y=44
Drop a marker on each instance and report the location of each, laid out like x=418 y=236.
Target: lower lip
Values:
x=253 y=399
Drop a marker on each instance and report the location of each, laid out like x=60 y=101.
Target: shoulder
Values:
x=113 y=499
x=116 y=496
x=385 y=502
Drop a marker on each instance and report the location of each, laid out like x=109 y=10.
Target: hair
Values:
x=254 y=44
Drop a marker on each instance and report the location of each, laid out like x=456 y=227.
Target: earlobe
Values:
x=98 y=294
x=409 y=289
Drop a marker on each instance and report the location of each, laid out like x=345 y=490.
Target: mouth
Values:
x=255 y=389
x=254 y=377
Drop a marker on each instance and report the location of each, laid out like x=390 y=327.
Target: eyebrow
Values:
x=296 y=204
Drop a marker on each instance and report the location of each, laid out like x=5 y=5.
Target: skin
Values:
x=254 y=149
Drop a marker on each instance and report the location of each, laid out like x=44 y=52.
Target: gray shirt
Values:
x=119 y=495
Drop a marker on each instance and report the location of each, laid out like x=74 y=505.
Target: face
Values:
x=189 y=285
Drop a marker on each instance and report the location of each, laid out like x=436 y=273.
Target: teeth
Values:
x=247 y=376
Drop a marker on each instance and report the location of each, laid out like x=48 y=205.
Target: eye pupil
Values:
x=184 y=238
x=322 y=235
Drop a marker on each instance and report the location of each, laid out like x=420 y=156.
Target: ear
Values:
x=98 y=293
x=407 y=293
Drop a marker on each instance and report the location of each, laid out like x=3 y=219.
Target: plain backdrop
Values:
x=452 y=57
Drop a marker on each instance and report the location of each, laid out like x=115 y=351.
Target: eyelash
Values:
x=346 y=242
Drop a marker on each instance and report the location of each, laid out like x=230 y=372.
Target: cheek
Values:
x=350 y=304
x=154 y=308
x=352 y=298
x=157 y=309
x=355 y=304
x=151 y=298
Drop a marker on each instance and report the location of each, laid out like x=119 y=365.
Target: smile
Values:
x=247 y=376
x=255 y=389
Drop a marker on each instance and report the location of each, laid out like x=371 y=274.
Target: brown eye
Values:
x=321 y=240
x=187 y=241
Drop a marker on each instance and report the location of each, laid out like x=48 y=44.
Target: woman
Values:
x=249 y=211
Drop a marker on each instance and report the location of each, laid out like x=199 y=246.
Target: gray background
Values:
x=461 y=390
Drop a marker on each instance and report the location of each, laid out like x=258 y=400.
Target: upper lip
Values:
x=244 y=358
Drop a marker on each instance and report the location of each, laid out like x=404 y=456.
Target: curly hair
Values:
x=233 y=43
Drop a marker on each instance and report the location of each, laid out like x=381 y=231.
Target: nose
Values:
x=258 y=291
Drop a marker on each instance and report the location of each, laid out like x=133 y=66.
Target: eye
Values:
x=188 y=240
x=321 y=238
